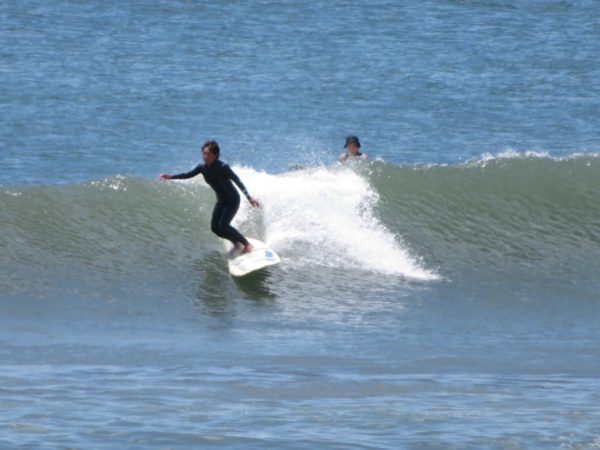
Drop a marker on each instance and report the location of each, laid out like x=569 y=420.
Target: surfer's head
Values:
x=210 y=152
x=352 y=145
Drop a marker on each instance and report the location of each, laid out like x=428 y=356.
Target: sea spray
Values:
x=326 y=217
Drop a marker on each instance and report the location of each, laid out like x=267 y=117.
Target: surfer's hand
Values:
x=254 y=202
x=165 y=176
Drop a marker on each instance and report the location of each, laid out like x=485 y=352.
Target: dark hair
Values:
x=213 y=147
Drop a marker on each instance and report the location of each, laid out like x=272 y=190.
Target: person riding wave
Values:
x=219 y=177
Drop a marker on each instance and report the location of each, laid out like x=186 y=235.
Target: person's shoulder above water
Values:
x=352 y=147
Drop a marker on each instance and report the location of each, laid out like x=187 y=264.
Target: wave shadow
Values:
x=218 y=292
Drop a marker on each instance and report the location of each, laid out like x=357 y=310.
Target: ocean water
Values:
x=442 y=294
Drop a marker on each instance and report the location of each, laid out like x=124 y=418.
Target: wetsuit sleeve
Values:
x=192 y=173
x=231 y=174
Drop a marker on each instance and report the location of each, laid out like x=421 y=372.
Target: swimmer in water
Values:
x=219 y=176
x=352 y=147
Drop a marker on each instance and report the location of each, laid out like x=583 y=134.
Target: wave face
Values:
x=516 y=215
x=77 y=235
x=505 y=218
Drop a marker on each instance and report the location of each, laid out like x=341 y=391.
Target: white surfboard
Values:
x=261 y=256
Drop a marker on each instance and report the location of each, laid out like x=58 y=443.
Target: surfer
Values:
x=219 y=176
x=352 y=147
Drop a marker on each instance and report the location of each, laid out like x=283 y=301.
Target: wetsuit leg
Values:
x=223 y=214
x=216 y=216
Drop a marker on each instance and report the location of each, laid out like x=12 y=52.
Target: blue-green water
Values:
x=442 y=294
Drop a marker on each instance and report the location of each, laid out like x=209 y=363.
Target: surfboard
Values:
x=261 y=256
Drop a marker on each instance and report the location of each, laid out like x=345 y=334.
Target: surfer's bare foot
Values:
x=248 y=247
x=236 y=249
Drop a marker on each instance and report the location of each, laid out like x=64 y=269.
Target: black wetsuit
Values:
x=219 y=176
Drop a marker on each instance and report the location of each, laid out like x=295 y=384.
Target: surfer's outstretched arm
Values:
x=233 y=177
x=183 y=176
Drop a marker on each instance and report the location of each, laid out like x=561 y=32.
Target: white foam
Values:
x=507 y=154
x=325 y=216
x=116 y=183
x=513 y=154
x=532 y=154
